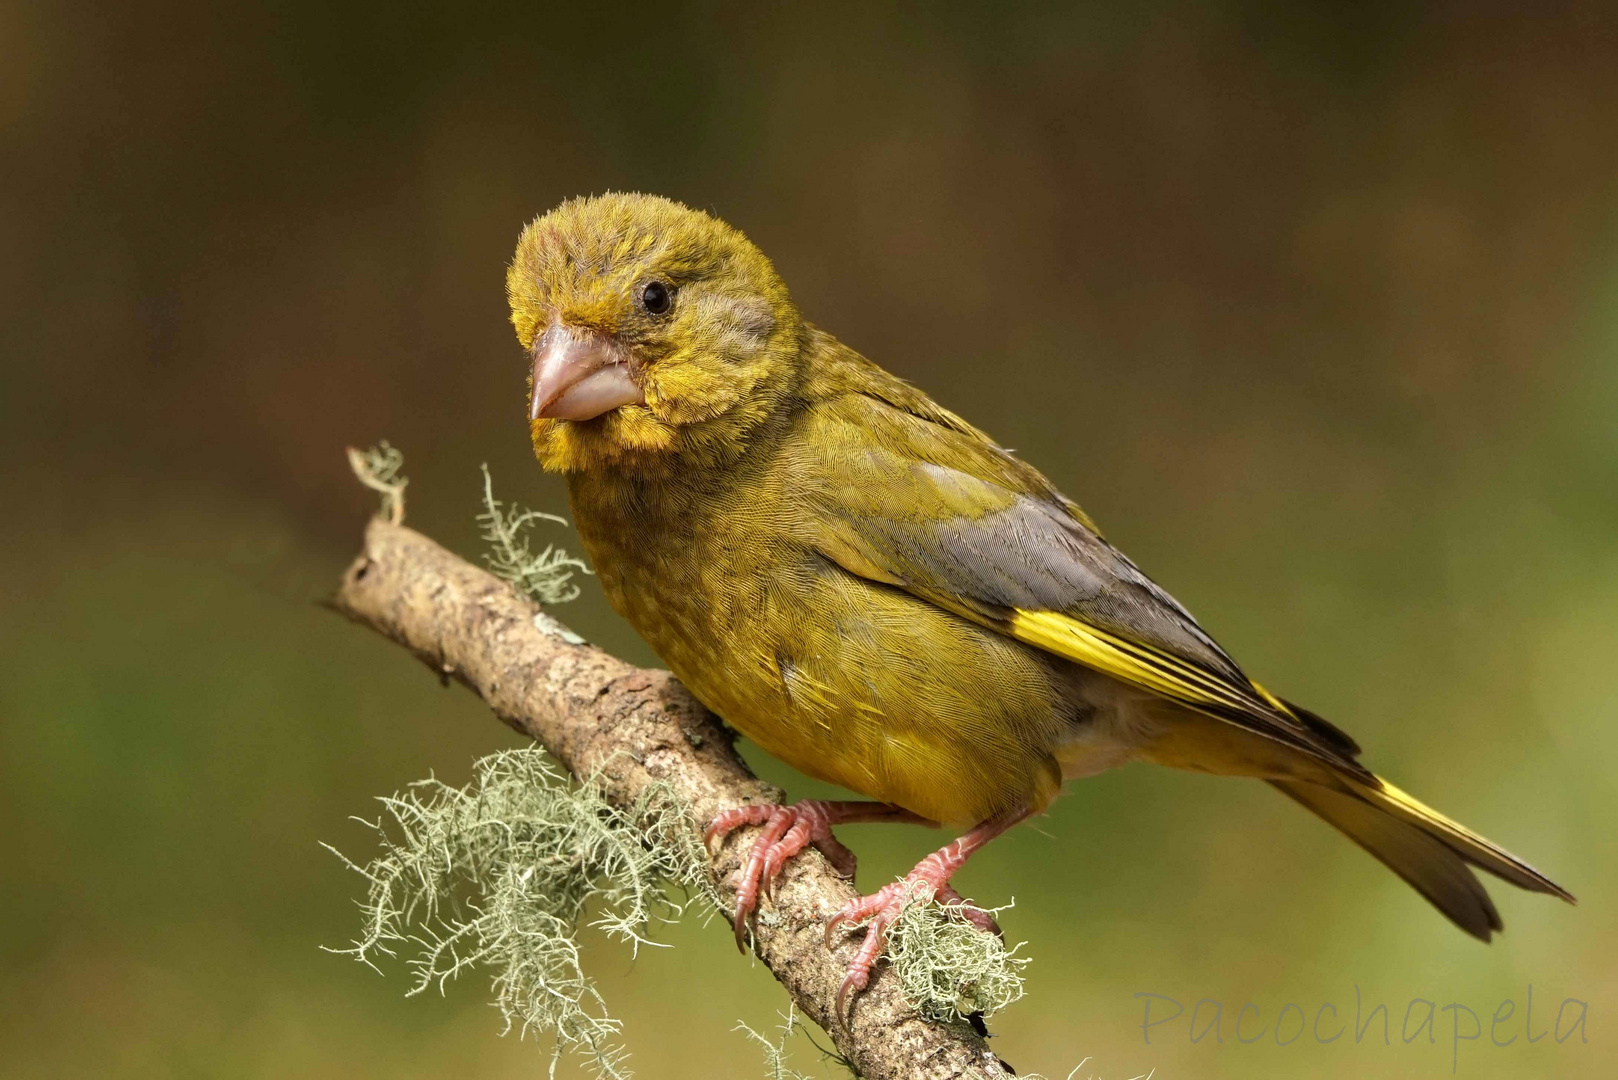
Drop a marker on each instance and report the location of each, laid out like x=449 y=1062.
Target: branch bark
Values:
x=631 y=727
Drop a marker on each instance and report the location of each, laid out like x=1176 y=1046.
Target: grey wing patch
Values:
x=1141 y=609
x=1035 y=556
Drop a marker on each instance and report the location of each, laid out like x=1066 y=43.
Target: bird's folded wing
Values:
x=931 y=506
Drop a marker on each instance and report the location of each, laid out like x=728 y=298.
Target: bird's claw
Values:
x=879 y=911
x=787 y=831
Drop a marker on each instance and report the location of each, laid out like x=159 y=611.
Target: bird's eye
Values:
x=656 y=297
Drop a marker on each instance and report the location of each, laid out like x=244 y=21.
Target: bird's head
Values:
x=654 y=333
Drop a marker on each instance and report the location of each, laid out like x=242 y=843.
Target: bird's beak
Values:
x=578 y=375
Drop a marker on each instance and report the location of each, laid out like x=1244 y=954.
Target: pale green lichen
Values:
x=545 y=575
x=497 y=875
x=775 y=1053
x=378 y=469
x=949 y=969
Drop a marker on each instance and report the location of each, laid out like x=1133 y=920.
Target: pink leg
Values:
x=930 y=878
x=787 y=831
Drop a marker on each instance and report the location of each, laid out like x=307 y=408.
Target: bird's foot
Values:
x=928 y=881
x=787 y=831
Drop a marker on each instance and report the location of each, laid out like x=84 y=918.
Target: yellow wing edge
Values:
x=1177 y=680
x=1137 y=664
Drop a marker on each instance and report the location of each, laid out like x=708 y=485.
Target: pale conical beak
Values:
x=579 y=375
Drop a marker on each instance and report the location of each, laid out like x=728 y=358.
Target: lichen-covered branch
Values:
x=629 y=729
x=496 y=875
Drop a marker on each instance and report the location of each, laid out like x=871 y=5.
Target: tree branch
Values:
x=632 y=727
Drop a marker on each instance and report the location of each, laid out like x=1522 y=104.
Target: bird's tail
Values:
x=1427 y=849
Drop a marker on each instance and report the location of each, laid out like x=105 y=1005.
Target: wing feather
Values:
x=939 y=510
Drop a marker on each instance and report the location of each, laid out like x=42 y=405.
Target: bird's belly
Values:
x=1118 y=722
x=867 y=687
x=1082 y=760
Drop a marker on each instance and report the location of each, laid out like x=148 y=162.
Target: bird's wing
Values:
x=915 y=498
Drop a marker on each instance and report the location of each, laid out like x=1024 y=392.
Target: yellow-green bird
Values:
x=872 y=589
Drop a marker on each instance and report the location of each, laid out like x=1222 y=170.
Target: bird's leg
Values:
x=787 y=831
x=930 y=879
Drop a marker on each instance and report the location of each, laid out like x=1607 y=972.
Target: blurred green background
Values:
x=1314 y=309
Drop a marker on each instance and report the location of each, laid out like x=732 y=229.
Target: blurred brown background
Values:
x=1314 y=307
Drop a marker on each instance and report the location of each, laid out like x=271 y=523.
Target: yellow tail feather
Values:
x=1428 y=850
x=1475 y=849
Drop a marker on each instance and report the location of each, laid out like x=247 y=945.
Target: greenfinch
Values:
x=872 y=589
